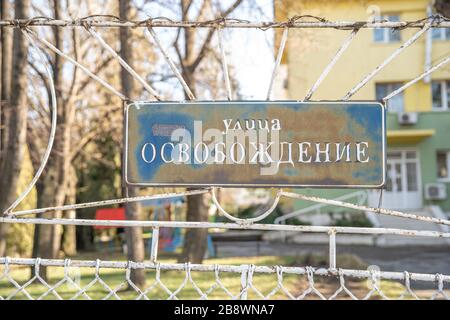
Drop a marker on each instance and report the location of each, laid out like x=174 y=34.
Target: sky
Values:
x=249 y=51
x=252 y=53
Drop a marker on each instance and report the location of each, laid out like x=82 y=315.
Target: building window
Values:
x=443 y=165
x=386 y=35
x=395 y=104
x=440 y=93
x=440 y=33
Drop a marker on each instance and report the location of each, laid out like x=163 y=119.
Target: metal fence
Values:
x=288 y=282
x=215 y=281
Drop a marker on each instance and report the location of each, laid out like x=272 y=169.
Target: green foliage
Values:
x=297 y=222
x=253 y=211
x=98 y=173
x=19 y=240
x=352 y=220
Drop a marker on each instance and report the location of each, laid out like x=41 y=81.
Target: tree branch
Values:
x=209 y=36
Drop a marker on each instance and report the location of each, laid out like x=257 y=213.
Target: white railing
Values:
x=70 y=287
x=8 y=266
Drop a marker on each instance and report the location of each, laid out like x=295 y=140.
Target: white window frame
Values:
x=442 y=35
x=390 y=89
x=400 y=199
x=444 y=97
x=447 y=178
x=386 y=31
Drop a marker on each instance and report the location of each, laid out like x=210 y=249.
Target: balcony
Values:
x=425 y=126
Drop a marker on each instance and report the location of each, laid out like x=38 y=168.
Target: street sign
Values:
x=255 y=144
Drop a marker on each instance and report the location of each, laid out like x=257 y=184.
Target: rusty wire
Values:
x=297 y=21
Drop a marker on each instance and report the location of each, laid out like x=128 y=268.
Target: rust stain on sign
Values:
x=291 y=144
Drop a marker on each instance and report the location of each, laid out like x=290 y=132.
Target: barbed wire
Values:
x=297 y=21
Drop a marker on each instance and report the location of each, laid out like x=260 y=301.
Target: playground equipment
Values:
x=170 y=239
x=171 y=209
x=109 y=240
x=166 y=210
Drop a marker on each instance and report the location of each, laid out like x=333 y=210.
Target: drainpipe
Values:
x=428 y=46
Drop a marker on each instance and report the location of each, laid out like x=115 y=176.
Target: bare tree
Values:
x=57 y=170
x=442 y=7
x=58 y=183
x=135 y=243
x=190 y=59
x=69 y=237
x=12 y=157
x=80 y=121
x=6 y=50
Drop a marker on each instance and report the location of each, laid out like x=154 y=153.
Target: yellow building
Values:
x=418 y=121
x=308 y=51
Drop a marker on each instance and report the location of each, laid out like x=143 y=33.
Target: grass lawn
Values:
x=115 y=278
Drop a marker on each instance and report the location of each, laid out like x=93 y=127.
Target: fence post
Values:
x=332 y=244
x=154 y=248
x=244 y=282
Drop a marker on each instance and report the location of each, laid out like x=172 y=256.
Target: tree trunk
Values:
x=84 y=234
x=37 y=227
x=195 y=242
x=58 y=166
x=135 y=242
x=69 y=241
x=85 y=238
x=134 y=239
x=13 y=157
x=6 y=50
x=6 y=62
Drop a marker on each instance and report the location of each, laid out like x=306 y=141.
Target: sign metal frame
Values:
x=126 y=183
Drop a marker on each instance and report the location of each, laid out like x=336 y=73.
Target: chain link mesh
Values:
x=111 y=280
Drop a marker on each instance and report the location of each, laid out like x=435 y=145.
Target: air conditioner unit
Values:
x=406 y=118
x=435 y=191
